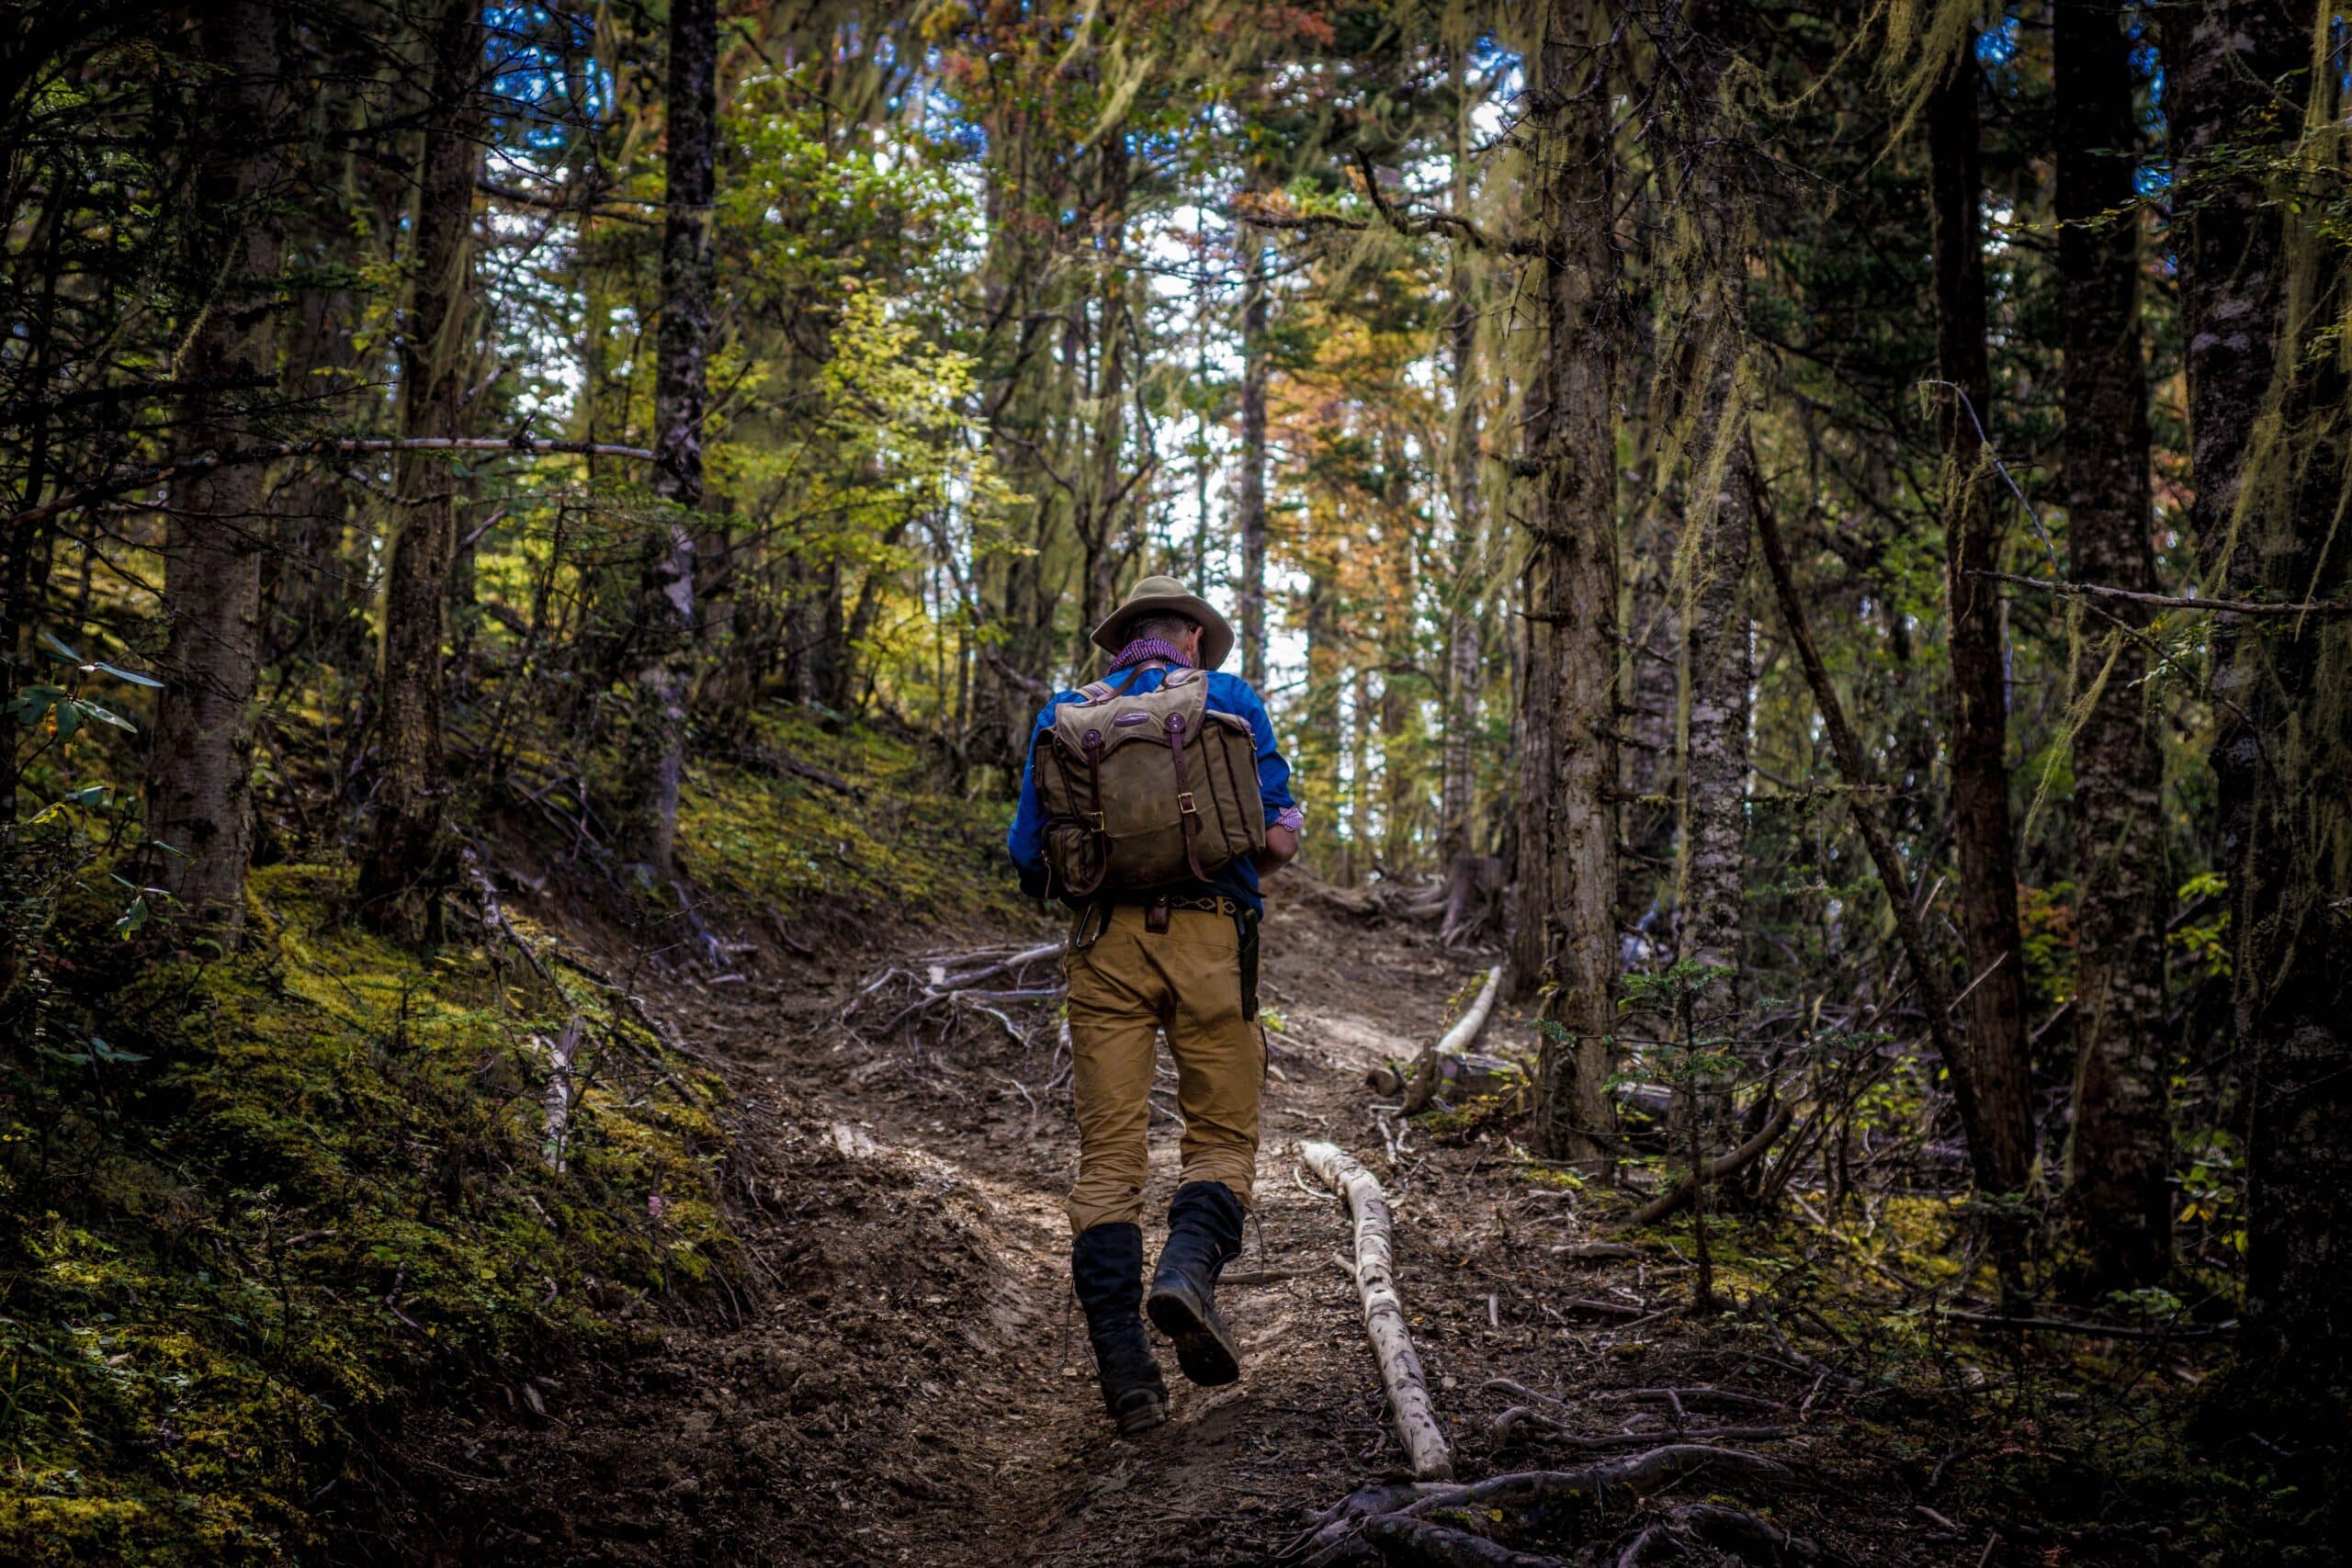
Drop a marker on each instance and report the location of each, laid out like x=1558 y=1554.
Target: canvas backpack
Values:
x=1145 y=790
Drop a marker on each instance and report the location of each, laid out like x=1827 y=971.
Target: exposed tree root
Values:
x=1731 y=1531
x=1396 y=1524
x=1531 y=1490
x=1417 y=1543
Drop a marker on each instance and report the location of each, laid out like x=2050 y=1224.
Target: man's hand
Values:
x=1282 y=844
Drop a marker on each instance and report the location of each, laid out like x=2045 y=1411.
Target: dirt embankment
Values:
x=909 y=1383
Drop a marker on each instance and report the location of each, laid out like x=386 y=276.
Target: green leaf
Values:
x=59 y=651
x=134 y=917
x=104 y=715
x=134 y=676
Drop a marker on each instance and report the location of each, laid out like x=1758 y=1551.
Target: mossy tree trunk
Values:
x=666 y=590
x=2001 y=1143
x=1569 y=777
x=198 y=782
x=2261 y=288
x=2117 y=1160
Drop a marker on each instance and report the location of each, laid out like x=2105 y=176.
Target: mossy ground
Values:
x=253 y=1205
x=892 y=845
x=254 y=1209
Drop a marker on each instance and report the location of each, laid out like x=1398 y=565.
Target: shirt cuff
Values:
x=1293 y=817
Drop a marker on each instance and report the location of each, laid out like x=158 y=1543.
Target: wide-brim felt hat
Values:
x=1162 y=596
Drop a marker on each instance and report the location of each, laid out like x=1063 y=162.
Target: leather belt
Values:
x=1155 y=910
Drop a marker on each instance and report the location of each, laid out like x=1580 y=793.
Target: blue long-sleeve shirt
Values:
x=1227 y=693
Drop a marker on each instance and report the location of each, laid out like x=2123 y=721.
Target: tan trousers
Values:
x=1122 y=990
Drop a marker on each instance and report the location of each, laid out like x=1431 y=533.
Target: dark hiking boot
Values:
x=1204 y=1234
x=1106 y=1266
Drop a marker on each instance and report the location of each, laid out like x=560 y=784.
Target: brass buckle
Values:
x=1093 y=820
x=1185 y=804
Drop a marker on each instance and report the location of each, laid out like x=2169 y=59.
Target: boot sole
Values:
x=1205 y=1356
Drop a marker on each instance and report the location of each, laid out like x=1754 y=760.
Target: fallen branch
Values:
x=2170 y=602
x=2066 y=1325
x=1902 y=899
x=1640 y=1473
x=1748 y=1154
x=955 y=983
x=1506 y=1429
x=1384 y=1314
x=1457 y=1040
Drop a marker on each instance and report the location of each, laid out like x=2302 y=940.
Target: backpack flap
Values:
x=1144 y=790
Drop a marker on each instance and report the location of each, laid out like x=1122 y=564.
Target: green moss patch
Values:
x=248 y=1204
x=851 y=815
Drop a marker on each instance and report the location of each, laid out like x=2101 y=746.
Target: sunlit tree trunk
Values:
x=1571 y=768
x=1982 y=834
x=1355 y=861
x=407 y=860
x=2117 y=1160
x=198 y=774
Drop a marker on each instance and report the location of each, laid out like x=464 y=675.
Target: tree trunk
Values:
x=1458 y=786
x=683 y=350
x=2255 y=296
x=1717 y=665
x=2118 y=1160
x=1400 y=714
x=1983 y=835
x=1572 y=582
x=1356 y=859
x=408 y=860
x=1318 y=760
x=1249 y=501
x=306 y=580
x=199 y=773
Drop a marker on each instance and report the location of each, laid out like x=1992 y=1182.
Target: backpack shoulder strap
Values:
x=1095 y=691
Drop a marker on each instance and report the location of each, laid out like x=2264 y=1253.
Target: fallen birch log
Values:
x=1384 y=1314
x=1457 y=1040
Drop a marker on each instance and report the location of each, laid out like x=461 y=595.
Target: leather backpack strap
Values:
x=1188 y=811
x=1093 y=746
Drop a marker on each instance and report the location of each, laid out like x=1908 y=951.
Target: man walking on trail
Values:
x=1151 y=802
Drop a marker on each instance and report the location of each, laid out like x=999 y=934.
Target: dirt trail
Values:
x=918 y=1390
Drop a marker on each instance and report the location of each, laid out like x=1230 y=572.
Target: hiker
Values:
x=1151 y=802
